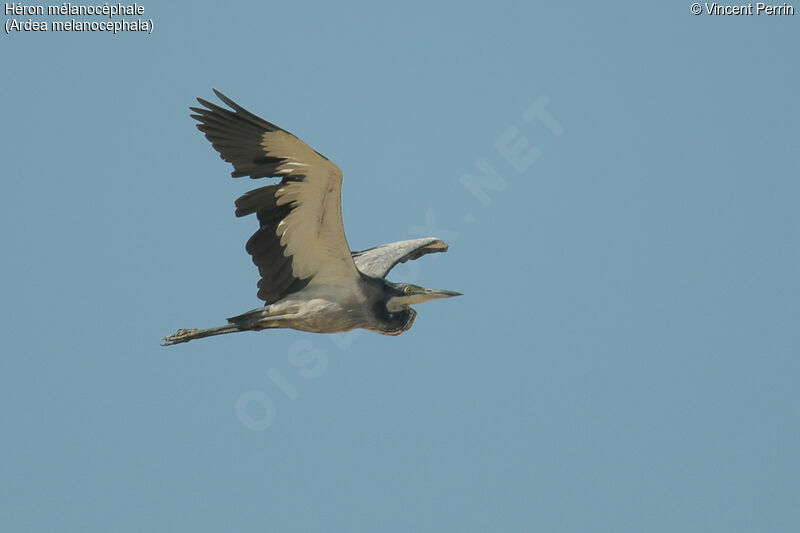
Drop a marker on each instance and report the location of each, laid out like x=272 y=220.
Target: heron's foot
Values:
x=182 y=335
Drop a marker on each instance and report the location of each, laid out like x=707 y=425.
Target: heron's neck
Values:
x=397 y=322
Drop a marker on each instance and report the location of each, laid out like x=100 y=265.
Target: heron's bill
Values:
x=440 y=293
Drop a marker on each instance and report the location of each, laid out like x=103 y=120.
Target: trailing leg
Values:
x=185 y=335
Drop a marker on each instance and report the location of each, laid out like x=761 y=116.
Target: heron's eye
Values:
x=408 y=290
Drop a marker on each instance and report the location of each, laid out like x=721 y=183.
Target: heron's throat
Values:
x=394 y=305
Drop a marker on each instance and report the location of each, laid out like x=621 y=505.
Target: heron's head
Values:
x=404 y=294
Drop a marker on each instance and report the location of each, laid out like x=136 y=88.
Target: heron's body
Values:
x=310 y=280
x=331 y=309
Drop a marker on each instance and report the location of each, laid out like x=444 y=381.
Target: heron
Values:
x=310 y=279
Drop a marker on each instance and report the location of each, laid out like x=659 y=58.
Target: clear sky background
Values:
x=625 y=357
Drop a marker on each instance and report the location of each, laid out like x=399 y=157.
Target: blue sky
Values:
x=625 y=357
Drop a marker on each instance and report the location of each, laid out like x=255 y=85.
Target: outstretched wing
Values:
x=378 y=261
x=301 y=238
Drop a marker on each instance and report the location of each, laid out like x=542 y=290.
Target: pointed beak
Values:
x=433 y=294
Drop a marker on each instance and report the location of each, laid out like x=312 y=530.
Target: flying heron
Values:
x=310 y=280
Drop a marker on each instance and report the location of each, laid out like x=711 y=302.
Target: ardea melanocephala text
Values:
x=310 y=280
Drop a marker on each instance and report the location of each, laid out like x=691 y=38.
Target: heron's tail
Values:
x=185 y=335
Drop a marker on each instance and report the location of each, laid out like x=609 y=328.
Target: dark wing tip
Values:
x=227 y=100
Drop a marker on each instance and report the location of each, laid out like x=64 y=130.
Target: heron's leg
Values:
x=185 y=335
